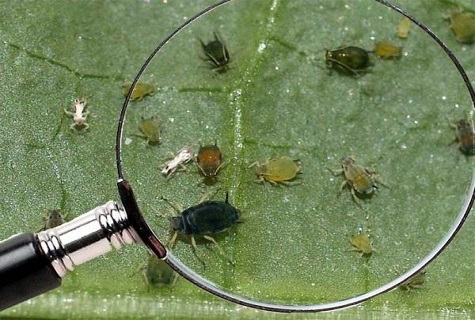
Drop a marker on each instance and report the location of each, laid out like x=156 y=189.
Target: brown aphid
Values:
x=403 y=28
x=361 y=243
x=415 y=282
x=278 y=171
x=387 y=50
x=465 y=135
x=359 y=179
x=463 y=27
x=209 y=160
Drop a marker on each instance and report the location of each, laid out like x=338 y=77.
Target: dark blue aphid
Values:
x=206 y=218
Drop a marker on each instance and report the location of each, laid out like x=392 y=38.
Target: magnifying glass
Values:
x=298 y=150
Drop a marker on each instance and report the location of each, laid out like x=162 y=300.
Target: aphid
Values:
x=387 y=50
x=361 y=243
x=53 y=218
x=216 y=53
x=463 y=27
x=280 y=170
x=158 y=274
x=151 y=130
x=205 y=219
x=348 y=60
x=183 y=156
x=359 y=179
x=79 y=115
x=415 y=282
x=403 y=28
x=465 y=135
x=209 y=160
x=140 y=91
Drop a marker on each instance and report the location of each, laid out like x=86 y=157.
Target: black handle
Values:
x=25 y=271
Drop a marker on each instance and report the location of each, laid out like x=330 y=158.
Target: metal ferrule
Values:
x=87 y=237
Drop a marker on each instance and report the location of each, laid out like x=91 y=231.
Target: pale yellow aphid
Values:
x=279 y=170
x=403 y=28
x=387 y=50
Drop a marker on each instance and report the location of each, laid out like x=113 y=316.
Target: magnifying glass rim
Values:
x=149 y=238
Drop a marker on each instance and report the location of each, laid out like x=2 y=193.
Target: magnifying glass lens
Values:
x=284 y=160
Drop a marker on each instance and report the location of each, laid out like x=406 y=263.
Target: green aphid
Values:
x=158 y=274
x=151 y=130
x=361 y=243
x=463 y=27
x=140 y=91
x=415 y=282
x=53 y=218
x=351 y=60
x=360 y=180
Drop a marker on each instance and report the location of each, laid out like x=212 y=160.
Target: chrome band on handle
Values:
x=87 y=237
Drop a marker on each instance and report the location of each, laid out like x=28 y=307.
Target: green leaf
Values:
x=277 y=98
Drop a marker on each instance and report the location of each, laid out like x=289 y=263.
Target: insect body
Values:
x=79 y=115
x=348 y=60
x=53 y=218
x=151 y=130
x=387 y=50
x=361 y=243
x=465 y=135
x=183 y=156
x=140 y=90
x=415 y=282
x=158 y=274
x=279 y=170
x=209 y=160
x=403 y=28
x=463 y=27
x=216 y=53
x=359 y=179
x=206 y=218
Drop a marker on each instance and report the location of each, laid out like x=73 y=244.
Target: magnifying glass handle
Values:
x=32 y=264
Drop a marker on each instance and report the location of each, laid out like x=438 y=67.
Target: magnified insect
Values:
x=53 y=218
x=387 y=50
x=361 y=243
x=361 y=180
x=209 y=161
x=158 y=274
x=278 y=171
x=151 y=130
x=182 y=157
x=351 y=60
x=463 y=27
x=216 y=53
x=140 y=91
x=465 y=135
x=415 y=282
x=79 y=115
x=203 y=220
x=403 y=28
